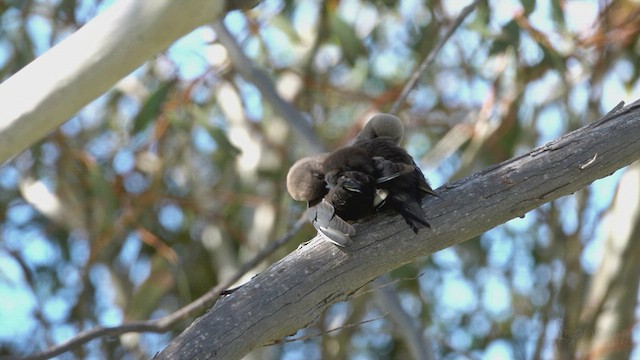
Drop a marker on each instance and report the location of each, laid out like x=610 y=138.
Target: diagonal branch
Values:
x=164 y=324
x=431 y=57
x=53 y=87
x=260 y=79
x=294 y=291
x=410 y=329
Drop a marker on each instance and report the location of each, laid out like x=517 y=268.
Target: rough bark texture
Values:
x=294 y=291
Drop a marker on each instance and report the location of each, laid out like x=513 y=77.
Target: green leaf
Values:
x=106 y=201
x=352 y=46
x=557 y=13
x=146 y=297
x=152 y=107
x=529 y=6
x=283 y=24
x=223 y=142
x=510 y=37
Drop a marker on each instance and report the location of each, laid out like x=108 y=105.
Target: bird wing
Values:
x=389 y=170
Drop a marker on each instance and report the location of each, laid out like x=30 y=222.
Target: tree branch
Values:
x=163 y=324
x=294 y=291
x=410 y=329
x=259 y=78
x=431 y=57
x=53 y=87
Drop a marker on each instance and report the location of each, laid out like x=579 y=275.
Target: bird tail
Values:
x=411 y=212
x=428 y=190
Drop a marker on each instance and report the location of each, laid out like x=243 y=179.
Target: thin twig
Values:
x=389 y=282
x=311 y=336
x=431 y=57
x=165 y=323
x=387 y=295
x=419 y=347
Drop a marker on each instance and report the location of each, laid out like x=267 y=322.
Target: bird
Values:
x=305 y=179
x=330 y=226
x=382 y=125
x=338 y=187
x=350 y=175
x=355 y=181
x=402 y=178
x=306 y=182
x=394 y=171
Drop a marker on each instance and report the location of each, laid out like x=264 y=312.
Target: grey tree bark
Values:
x=53 y=87
x=294 y=291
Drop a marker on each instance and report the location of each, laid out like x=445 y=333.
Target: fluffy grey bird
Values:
x=382 y=125
x=305 y=179
x=306 y=182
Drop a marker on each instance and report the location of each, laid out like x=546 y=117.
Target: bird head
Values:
x=305 y=180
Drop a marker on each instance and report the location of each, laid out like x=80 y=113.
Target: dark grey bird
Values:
x=353 y=182
x=350 y=175
x=402 y=178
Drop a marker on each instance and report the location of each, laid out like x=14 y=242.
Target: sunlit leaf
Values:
x=352 y=46
x=152 y=107
x=223 y=141
x=508 y=38
x=529 y=6
x=284 y=25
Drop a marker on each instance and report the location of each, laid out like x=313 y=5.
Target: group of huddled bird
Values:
x=358 y=180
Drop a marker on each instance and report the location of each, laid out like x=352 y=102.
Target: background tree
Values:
x=164 y=186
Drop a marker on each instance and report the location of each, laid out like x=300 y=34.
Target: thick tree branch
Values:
x=52 y=88
x=294 y=291
x=165 y=323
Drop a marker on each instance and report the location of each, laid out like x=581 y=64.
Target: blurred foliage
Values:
x=162 y=187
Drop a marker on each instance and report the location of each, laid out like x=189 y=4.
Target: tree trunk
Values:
x=608 y=318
